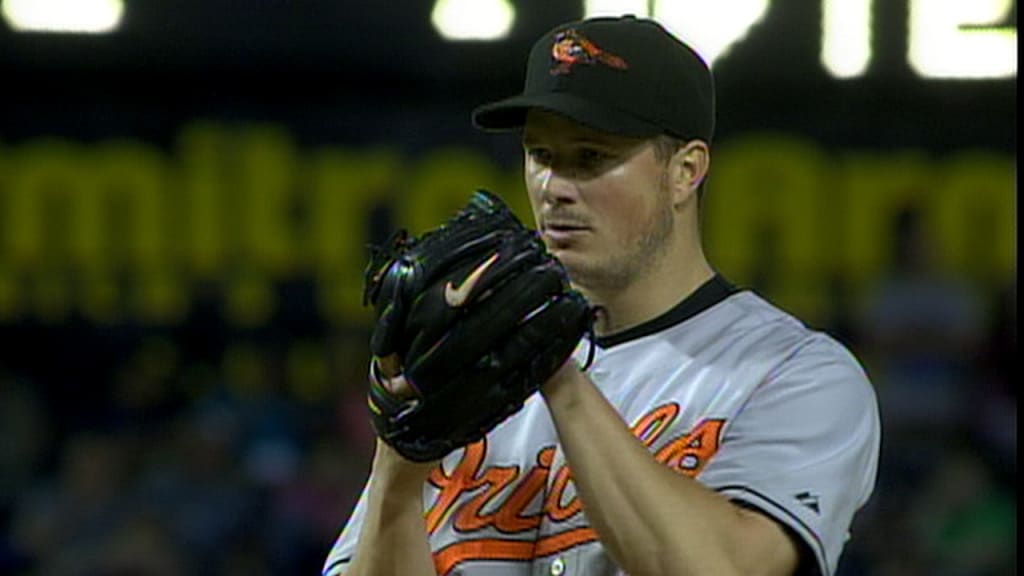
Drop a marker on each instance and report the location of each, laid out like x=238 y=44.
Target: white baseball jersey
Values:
x=724 y=388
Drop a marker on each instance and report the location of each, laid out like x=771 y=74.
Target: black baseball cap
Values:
x=623 y=75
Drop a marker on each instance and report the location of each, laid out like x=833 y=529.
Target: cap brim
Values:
x=510 y=114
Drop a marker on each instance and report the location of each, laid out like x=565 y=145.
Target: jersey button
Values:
x=558 y=567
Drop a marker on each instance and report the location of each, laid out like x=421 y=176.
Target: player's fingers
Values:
x=390 y=365
x=386 y=372
x=399 y=386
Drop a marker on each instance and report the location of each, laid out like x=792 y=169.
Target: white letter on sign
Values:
x=957 y=39
x=846 y=37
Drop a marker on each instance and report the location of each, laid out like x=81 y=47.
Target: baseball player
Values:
x=711 y=434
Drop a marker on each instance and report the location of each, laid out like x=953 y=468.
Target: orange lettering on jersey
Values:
x=481 y=549
x=470 y=516
x=553 y=506
x=555 y=543
x=510 y=517
x=688 y=454
x=653 y=424
x=462 y=479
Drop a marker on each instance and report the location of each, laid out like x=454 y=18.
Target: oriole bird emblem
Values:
x=571 y=48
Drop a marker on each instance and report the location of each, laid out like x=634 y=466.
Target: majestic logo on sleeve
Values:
x=810 y=500
x=571 y=48
x=469 y=495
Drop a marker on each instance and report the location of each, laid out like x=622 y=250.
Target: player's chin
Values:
x=564 y=251
x=573 y=259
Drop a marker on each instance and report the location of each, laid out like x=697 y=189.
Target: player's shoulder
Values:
x=753 y=311
x=800 y=350
x=781 y=333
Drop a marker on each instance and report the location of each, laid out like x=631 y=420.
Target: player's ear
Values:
x=687 y=169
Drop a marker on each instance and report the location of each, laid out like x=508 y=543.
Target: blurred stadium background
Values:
x=187 y=189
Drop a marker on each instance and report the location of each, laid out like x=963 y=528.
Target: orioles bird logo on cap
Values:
x=571 y=48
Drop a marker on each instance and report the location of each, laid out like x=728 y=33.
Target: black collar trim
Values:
x=710 y=293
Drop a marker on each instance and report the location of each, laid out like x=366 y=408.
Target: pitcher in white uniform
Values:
x=713 y=434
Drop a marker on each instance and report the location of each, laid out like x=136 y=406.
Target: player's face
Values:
x=601 y=201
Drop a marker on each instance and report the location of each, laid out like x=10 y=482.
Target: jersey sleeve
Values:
x=803 y=449
x=345 y=546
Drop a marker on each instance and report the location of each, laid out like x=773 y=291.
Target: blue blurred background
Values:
x=186 y=200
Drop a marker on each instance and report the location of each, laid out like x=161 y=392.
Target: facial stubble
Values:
x=636 y=257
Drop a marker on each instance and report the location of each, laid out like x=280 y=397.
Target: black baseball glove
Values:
x=475 y=316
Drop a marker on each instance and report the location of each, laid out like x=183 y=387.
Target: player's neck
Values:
x=679 y=274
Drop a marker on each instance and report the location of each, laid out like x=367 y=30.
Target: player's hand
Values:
x=389 y=375
x=386 y=459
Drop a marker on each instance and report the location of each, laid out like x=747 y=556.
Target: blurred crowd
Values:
x=205 y=450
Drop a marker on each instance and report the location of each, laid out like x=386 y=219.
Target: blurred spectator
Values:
x=141 y=546
x=194 y=483
x=925 y=336
x=922 y=330
x=965 y=520
x=142 y=385
x=995 y=407
x=247 y=556
x=25 y=435
x=305 y=512
x=63 y=524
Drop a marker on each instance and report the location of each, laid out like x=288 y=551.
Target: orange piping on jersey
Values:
x=564 y=540
x=499 y=549
x=483 y=549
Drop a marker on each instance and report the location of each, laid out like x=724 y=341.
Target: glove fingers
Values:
x=456 y=295
x=492 y=320
x=387 y=333
x=453 y=291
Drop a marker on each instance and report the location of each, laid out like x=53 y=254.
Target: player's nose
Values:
x=557 y=187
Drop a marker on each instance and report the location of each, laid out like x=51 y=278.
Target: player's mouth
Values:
x=563 y=232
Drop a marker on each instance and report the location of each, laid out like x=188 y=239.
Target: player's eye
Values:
x=539 y=155
x=592 y=157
